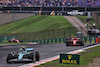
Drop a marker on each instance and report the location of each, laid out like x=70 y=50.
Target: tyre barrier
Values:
x=97 y=40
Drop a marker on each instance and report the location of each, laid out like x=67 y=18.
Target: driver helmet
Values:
x=23 y=48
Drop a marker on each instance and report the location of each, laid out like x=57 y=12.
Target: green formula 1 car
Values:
x=26 y=54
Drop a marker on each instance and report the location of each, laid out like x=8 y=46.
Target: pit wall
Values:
x=9 y=17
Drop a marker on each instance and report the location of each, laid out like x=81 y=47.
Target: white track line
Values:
x=91 y=46
x=56 y=57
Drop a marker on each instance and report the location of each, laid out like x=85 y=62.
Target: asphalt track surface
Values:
x=45 y=50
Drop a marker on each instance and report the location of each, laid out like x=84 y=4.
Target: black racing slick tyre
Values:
x=9 y=56
x=37 y=56
x=68 y=15
x=69 y=42
x=81 y=43
x=79 y=14
x=32 y=56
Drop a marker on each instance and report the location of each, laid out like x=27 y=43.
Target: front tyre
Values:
x=32 y=56
x=9 y=56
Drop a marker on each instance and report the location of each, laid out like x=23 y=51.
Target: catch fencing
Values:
x=46 y=34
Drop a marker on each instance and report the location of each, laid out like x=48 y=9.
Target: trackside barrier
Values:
x=50 y=41
x=62 y=40
x=97 y=40
x=5 y=39
x=89 y=39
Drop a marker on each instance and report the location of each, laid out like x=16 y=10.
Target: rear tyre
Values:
x=67 y=43
x=79 y=14
x=68 y=15
x=37 y=55
x=9 y=41
x=81 y=43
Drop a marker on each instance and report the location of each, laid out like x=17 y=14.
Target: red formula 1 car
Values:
x=74 y=42
x=14 y=40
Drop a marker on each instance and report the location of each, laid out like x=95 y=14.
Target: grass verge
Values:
x=35 y=23
x=38 y=28
x=83 y=19
x=85 y=58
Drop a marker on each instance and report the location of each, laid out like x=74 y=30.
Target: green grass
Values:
x=84 y=59
x=98 y=47
x=35 y=23
x=38 y=28
x=83 y=18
